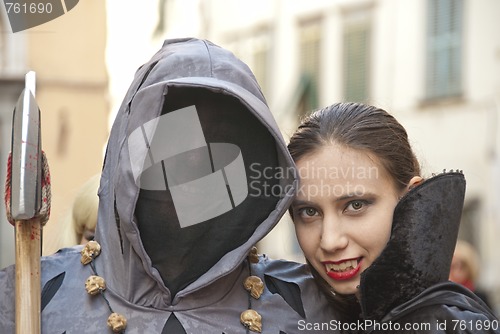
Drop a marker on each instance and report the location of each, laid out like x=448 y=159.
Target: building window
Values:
x=444 y=49
x=309 y=62
x=260 y=61
x=253 y=47
x=356 y=55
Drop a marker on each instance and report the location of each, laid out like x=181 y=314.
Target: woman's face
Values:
x=343 y=213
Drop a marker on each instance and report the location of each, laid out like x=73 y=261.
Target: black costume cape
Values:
x=406 y=289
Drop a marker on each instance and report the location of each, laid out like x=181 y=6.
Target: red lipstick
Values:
x=345 y=274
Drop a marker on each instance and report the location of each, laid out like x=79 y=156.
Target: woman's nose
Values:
x=333 y=236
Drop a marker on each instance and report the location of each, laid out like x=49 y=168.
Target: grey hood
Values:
x=183 y=65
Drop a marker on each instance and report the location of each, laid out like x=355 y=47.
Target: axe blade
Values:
x=26 y=170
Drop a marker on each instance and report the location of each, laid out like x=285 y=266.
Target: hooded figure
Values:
x=195 y=174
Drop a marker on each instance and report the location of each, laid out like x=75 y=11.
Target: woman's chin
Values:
x=346 y=289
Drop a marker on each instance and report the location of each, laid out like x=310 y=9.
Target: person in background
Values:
x=84 y=211
x=379 y=238
x=465 y=269
x=79 y=224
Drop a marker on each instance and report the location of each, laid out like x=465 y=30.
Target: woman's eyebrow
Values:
x=351 y=196
x=300 y=202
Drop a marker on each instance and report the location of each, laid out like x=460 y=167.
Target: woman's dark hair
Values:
x=360 y=127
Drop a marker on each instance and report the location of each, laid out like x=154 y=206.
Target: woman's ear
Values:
x=415 y=181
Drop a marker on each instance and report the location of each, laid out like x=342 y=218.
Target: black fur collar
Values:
x=418 y=254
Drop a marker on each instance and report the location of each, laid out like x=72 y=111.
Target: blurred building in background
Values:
x=434 y=64
x=67 y=55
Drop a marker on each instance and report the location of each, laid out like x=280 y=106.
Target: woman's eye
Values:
x=308 y=212
x=355 y=206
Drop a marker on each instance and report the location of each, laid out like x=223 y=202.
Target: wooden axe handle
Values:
x=28 y=287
